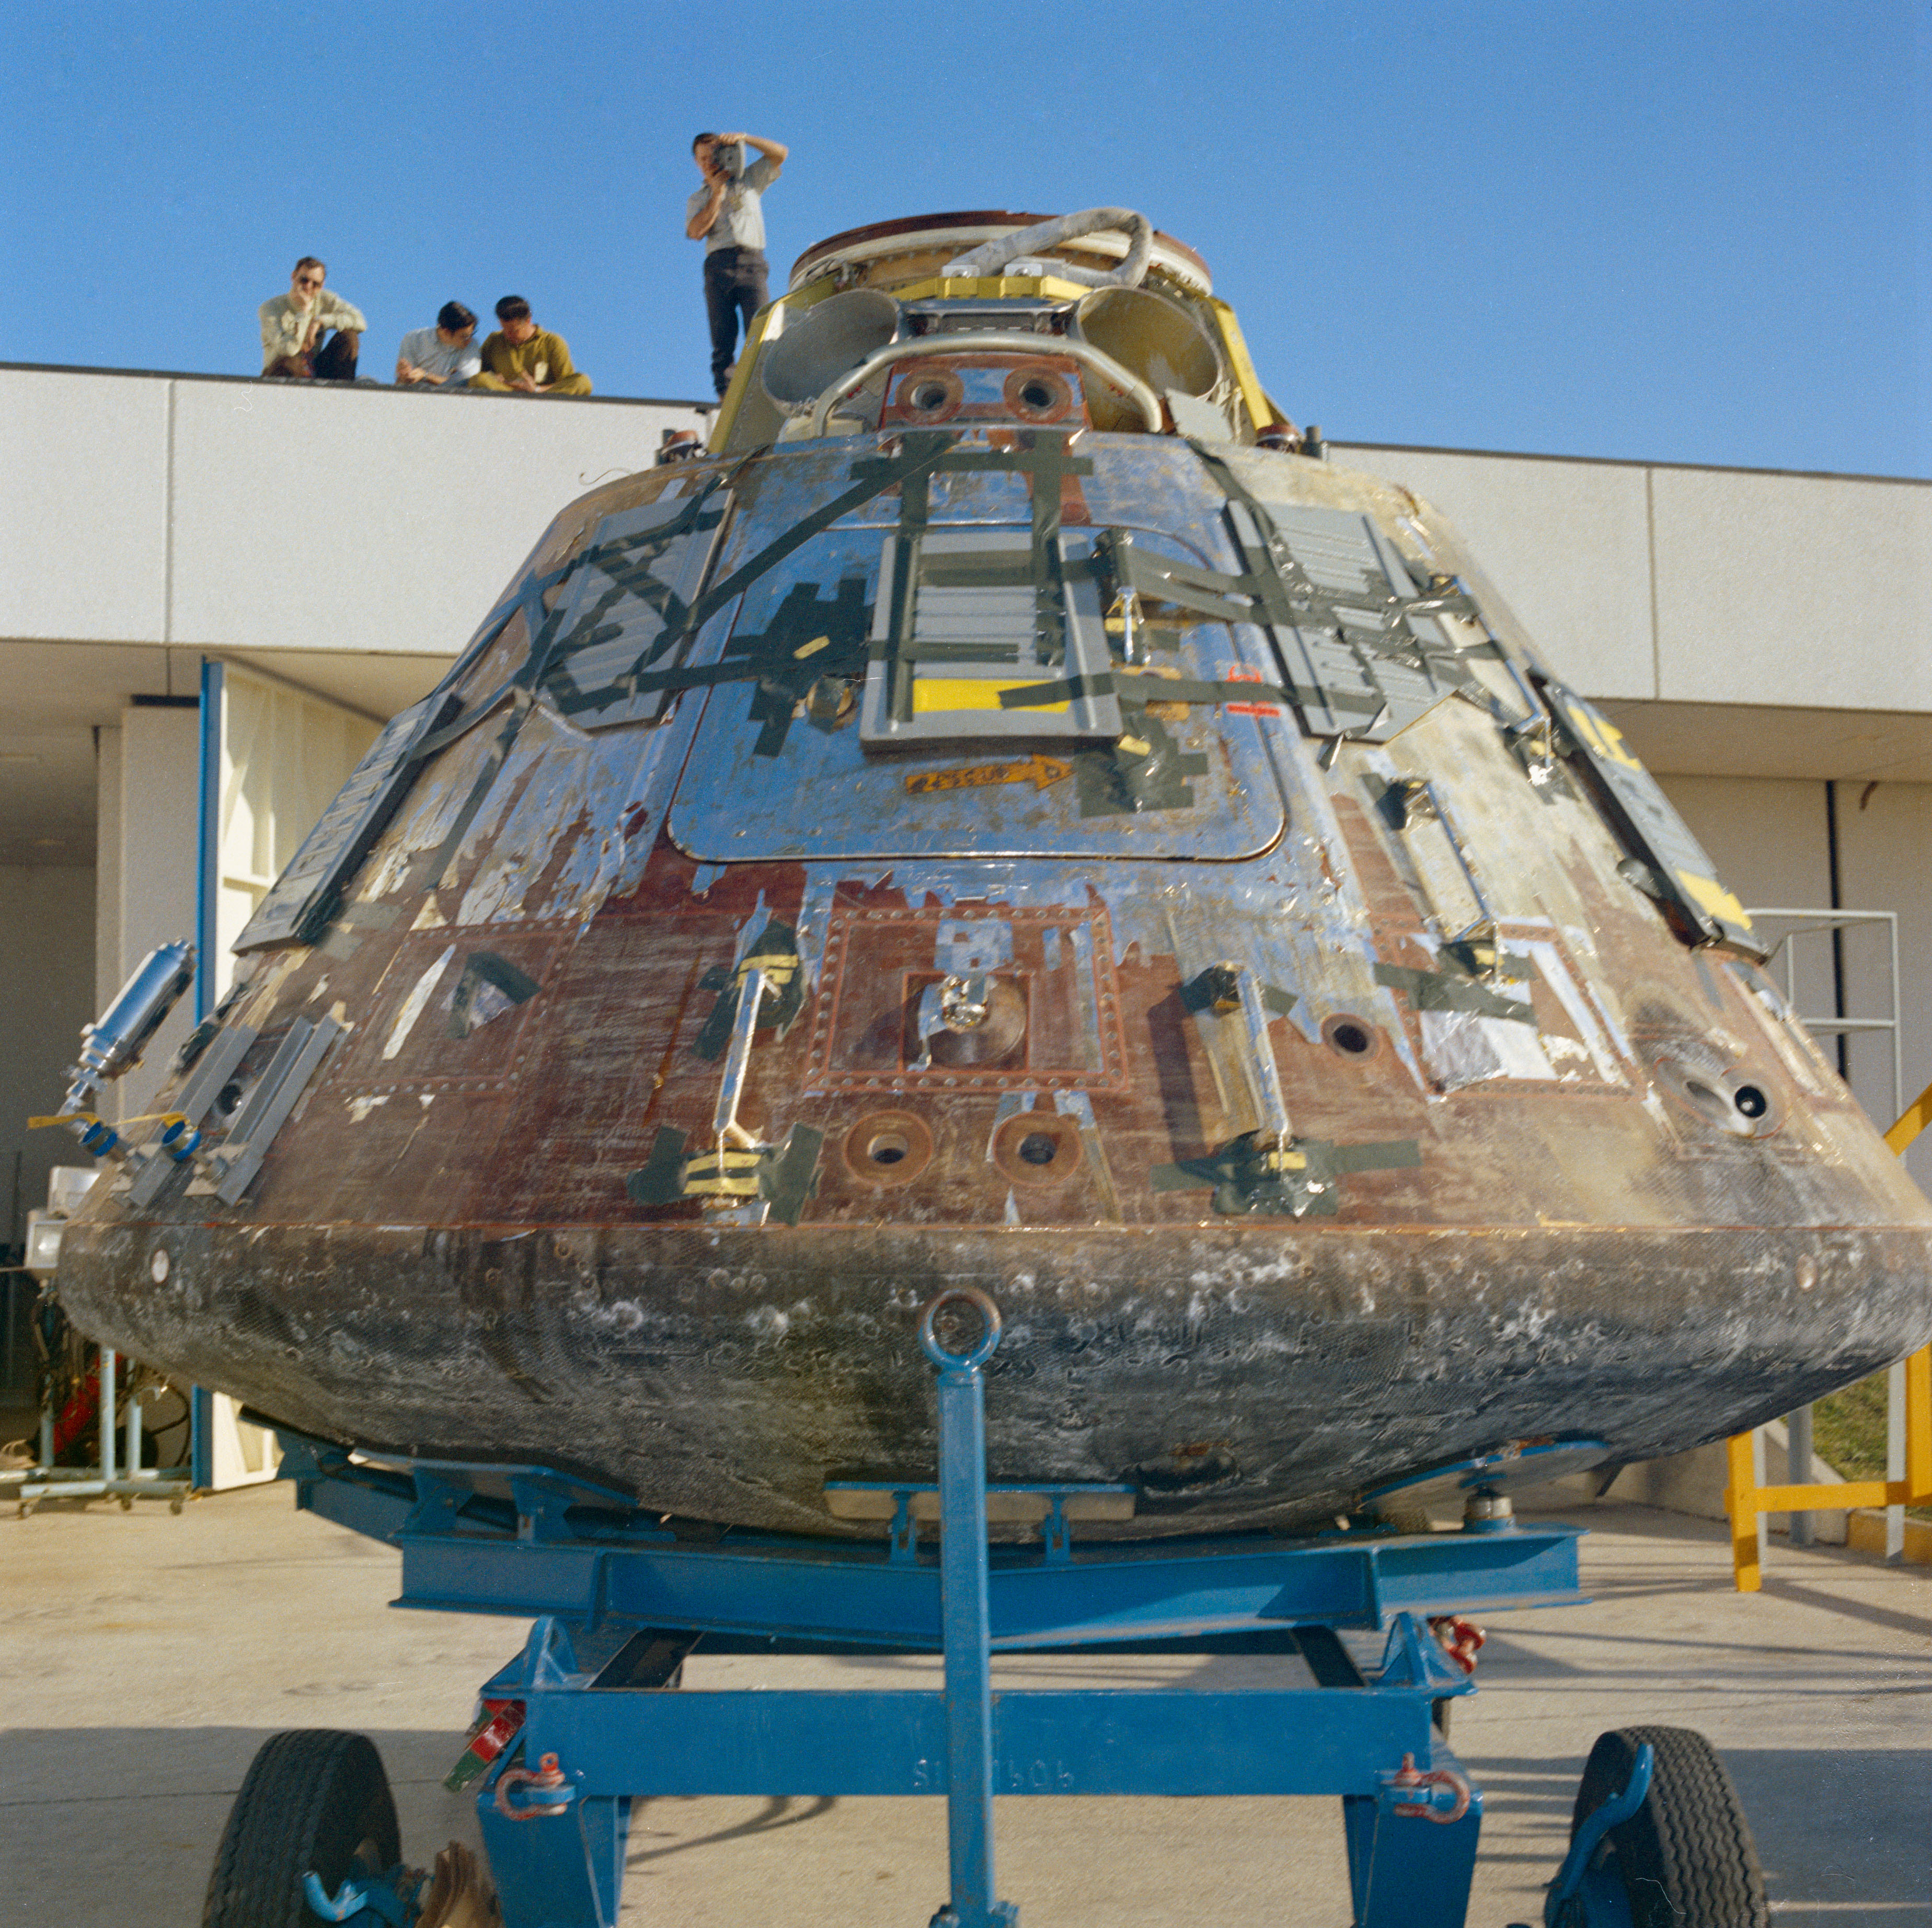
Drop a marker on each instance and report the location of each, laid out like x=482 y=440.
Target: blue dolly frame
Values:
x=621 y=1601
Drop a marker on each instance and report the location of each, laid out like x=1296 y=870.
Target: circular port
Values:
x=1738 y=1105
x=1037 y=1148
x=888 y=1148
x=1351 y=1036
x=931 y=397
x=1038 y=394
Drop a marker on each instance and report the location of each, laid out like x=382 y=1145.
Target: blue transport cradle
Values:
x=599 y=1719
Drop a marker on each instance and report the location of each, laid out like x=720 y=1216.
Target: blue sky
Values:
x=1687 y=232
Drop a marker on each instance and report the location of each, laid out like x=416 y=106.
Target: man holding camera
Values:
x=726 y=214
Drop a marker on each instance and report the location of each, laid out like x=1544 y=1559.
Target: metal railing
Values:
x=1908 y=1479
x=1835 y=923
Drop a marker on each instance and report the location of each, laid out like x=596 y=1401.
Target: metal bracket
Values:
x=224 y=1052
x=234 y=1163
x=1597 y=1823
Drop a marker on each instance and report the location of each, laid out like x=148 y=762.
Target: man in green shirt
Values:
x=522 y=359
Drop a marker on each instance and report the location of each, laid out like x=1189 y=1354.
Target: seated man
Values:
x=521 y=358
x=293 y=325
x=439 y=357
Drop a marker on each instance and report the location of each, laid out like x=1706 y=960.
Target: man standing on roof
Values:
x=726 y=214
x=293 y=325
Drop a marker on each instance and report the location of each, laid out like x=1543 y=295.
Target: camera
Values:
x=728 y=157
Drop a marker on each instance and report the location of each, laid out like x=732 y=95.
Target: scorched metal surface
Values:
x=1181 y=903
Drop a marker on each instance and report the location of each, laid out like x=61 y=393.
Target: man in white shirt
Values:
x=439 y=357
x=726 y=214
x=293 y=325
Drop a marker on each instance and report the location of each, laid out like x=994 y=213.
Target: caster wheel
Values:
x=314 y=1799
x=1686 y=1855
x=175 y=1504
x=126 y=1502
x=26 y=1509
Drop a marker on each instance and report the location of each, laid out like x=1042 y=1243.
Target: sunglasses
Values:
x=308 y=280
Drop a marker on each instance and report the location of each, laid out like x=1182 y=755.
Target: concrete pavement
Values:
x=148 y=1657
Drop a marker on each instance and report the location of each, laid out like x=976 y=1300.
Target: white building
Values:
x=1760 y=637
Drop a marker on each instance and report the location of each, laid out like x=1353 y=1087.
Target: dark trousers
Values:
x=734 y=282
x=334 y=361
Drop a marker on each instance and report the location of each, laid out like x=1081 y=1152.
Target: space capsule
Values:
x=1011 y=813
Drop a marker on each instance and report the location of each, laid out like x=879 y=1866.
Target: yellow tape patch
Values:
x=941 y=693
x=1712 y=896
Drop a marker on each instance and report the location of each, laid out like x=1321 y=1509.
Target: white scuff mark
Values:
x=1464 y=1047
x=426 y=1099
x=387 y=874
x=359 y=1108
x=412 y=1005
x=1566 y=1050
x=707 y=875
x=429 y=917
x=321 y=985
x=1013 y=1216
x=1578 y=1008
x=768 y=1322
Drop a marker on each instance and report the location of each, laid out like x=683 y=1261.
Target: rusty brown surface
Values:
x=440 y=1253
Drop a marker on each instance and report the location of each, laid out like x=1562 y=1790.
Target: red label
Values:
x=1237 y=673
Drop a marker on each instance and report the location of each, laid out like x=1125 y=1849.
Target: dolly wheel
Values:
x=1686 y=1856
x=316 y=1799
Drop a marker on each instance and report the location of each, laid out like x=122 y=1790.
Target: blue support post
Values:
x=603 y=1719
x=966 y=1618
x=556 y=1850
x=207 y=895
x=1412 y=1848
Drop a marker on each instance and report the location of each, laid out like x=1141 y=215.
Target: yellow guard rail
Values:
x=1747 y=1501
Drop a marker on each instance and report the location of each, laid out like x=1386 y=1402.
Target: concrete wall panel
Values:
x=365 y=520
x=1567 y=542
x=1885 y=862
x=83 y=507
x=1799 y=589
x=47 y=994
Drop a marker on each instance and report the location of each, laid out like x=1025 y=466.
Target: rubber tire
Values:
x=1686 y=1857
x=314 y=1798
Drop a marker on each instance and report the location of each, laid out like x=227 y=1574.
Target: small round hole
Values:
x=1750 y=1101
x=887 y=1148
x=1350 y=1036
x=929 y=395
x=228 y=1097
x=1037 y=395
x=1037 y=1148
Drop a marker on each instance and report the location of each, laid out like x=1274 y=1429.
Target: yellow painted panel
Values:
x=1713 y=896
x=1911 y=1122
x=931 y=693
x=1261 y=410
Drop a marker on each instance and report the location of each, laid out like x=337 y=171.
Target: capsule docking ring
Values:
x=984 y=1347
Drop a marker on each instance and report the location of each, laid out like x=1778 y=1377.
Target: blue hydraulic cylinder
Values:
x=965 y=1617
